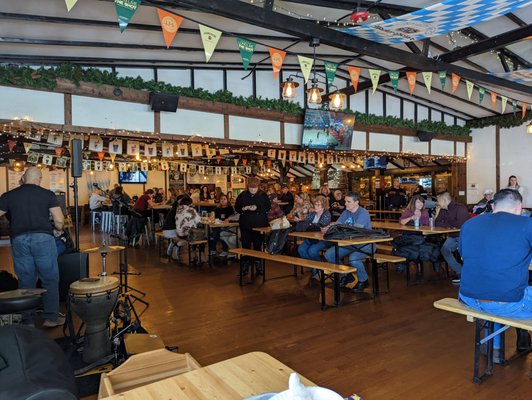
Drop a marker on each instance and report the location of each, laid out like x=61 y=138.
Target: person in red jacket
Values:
x=451 y=215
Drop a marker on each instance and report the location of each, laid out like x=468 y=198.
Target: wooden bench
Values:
x=384 y=248
x=327 y=270
x=484 y=321
x=381 y=261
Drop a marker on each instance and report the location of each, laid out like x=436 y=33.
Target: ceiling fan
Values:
x=359 y=14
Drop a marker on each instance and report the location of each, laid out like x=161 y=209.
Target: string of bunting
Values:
x=171 y=22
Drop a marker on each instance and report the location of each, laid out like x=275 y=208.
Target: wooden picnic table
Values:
x=425 y=230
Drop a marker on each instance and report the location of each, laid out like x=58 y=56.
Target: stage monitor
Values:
x=133 y=177
x=327 y=130
x=375 y=163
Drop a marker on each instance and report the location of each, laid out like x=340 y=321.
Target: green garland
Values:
x=46 y=78
x=503 y=121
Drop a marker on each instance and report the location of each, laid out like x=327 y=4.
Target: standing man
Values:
x=359 y=217
x=451 y=215
x=33 y=247
x=497 y=250
x=396 y=196
x=286 y=197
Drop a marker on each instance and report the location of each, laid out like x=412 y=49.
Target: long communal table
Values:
x=424 y=230
x=236 y=378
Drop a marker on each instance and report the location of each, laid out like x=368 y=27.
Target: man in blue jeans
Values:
x=33 y=247
x=359 y=217
x=497 y=250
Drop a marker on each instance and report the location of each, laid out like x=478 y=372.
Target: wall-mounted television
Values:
x=133 y=177
x=327 y=130
x=375 y=163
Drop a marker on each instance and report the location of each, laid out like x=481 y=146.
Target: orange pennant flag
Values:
x=277 y=56
x=523 y=112
x=101 y=154
x=493 y=99
x=411 y=77
x=455 y=80
x=354 y=74
x=170 y=24
x=244 y=161
x=58 y=151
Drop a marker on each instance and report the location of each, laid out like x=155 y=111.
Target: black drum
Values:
x=93 y=300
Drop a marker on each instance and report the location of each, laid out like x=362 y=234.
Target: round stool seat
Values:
x=16 y=301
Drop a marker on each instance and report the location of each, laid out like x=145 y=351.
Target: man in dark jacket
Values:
x=451 y=215
x=286 y=197
x=252 y=205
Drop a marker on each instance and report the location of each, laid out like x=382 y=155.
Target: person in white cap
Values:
x=485 y=205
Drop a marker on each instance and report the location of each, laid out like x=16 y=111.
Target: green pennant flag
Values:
x=514 y=106
x=481 y=93
x=246 y=47
x=394 y=78
x=374 y=74
x=469 y=87
x=125 y=9
x=443 y=78
x=305 y=63
x=209 y=38
x=70 y=4
x=427 y=77
x=330 y=72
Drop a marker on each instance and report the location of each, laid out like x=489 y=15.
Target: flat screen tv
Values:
x=133 y=177
x=327 y=130
x=375 y=162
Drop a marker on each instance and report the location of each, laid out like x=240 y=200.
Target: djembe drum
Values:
x=93 y=300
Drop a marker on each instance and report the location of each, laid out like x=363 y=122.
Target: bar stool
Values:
x=96 y=218
x=107 y=221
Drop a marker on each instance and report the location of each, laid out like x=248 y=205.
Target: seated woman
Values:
x=120 y=201
x=275 y=211
x=169 y=228
x=223 y=211
x=319 y=218
x=415 y=210
x=302 y=207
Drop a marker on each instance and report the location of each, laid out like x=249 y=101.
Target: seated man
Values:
x=451 y=215
x=96 y=200
x=497 y=250
x=359 y=217
x=485 y=205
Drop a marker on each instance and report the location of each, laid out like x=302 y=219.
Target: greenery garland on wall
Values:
x=46 y=78
x=503 y=121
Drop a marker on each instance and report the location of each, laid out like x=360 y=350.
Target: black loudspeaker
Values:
x=425 y=136
x=72 y=267
x=163 y=102
x=76 y=167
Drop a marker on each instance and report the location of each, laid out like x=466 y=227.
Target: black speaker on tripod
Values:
x=76 y=167
x=163 y=102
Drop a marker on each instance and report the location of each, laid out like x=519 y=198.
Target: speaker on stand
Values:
x=76 y=170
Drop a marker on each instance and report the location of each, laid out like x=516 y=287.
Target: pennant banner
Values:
x=394 y=78
x=411 y=78
x=443 y=78
x=47 y=159
x=55 y=139
x=493 y=99
x=11 y=144
x=95 y=143
x=167 y=150
x=125 y=9
x=523 y=110
x=427 y=78
x=374 y=74
x=504 y=100
x=354 y=74
x=481 y=93
x=330 y=72
x=277 y=56
x=455 y=79
x=514 y=106
x=170 y=24
x=210 y=38
x=70 y=4
x=115 y=146
x=182 y=150
x=246 y=47
x=469 y=87
x=133 y=148
x=150 y=150
x=27 y=147
x=306 y=66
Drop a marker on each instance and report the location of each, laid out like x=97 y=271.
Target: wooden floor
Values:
x=396 y=347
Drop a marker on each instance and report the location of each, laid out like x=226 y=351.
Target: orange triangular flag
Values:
x=354 y=74
x=493 y=99
x=58 y=151
x=523 y=113
x=170 y=24
x=11 y=144
x=101 y=154
x=277 y=56
x=411 y=77
x=455 y=80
